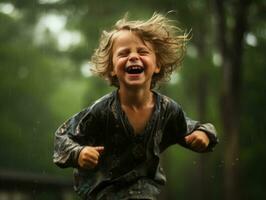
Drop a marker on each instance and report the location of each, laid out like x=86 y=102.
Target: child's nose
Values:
x=133 y=57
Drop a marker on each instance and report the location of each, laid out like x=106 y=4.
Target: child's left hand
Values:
x=197 y=141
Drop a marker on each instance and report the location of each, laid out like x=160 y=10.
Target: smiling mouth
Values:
x=134 y=69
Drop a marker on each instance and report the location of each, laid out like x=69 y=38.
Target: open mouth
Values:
x=134 y=69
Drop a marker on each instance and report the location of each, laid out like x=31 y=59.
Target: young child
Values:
x=114 y=145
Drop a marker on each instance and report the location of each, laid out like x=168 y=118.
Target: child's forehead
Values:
x=124 y=36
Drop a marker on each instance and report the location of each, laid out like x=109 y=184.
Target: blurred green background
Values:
x=44 y=79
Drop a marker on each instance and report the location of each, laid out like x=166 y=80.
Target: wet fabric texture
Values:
x=129 y=167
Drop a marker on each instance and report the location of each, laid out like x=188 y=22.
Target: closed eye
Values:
x=123 y=53
x=143 y=51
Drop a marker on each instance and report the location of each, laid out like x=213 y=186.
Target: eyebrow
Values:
x=144 y=47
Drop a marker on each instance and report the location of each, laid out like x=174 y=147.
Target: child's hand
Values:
x=89 y=156
x=197 y=141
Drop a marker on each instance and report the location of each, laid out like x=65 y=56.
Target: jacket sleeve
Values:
x=71 y=137
x=178 y=126
x=208 y=128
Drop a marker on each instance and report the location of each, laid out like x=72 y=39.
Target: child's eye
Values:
x=143 y=52
x=122 y=54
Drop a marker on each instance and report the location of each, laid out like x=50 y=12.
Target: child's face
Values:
x=134 y=62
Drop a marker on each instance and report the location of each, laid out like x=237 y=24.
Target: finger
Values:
x=90 y=160
x=88 y=157
x=189 y=139
x=99 y=149
x=90 y=164
x=92 y=155
x=198 y=145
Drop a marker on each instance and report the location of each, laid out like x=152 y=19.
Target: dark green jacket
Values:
x=129 y=166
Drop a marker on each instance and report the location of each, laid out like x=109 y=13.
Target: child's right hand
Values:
x=89 y=156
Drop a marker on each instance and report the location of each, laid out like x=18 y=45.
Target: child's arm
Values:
x=186 y=132
x=197 y=141
x=66 y=150
x=89 y=156
x=72 y=143
x=202 y=139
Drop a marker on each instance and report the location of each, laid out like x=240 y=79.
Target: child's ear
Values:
x=113 y=73
x=157 y=70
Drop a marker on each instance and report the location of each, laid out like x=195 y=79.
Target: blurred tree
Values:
x=230 y=38
x=253 y=98
x=30 y=74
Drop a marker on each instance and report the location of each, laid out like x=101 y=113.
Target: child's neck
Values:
x=136 y=98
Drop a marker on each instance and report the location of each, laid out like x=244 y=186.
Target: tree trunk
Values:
x=231 y=53
x=202 y=94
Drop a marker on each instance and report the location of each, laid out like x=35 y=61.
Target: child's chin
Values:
x=136 y=84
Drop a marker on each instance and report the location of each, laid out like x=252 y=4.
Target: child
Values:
x=115 y=144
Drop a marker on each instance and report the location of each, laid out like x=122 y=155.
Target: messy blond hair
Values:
x=168 y=41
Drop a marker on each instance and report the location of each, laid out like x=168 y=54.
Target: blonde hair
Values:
x=168 y=40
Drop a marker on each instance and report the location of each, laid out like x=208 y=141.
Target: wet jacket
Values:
x=129 y=166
